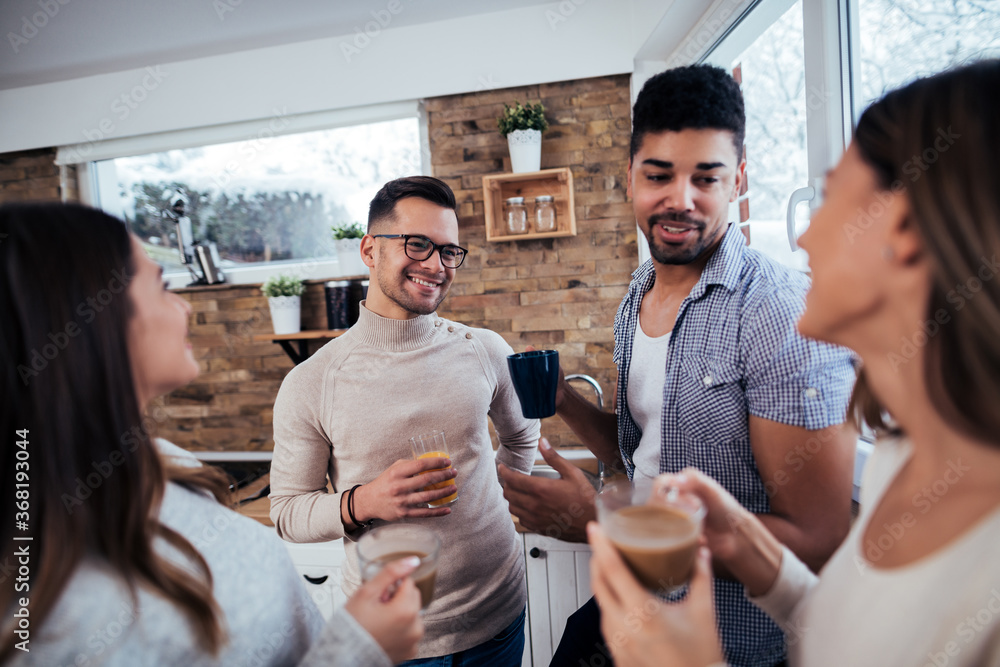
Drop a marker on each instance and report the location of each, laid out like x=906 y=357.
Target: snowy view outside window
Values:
x=900 y=40
x=905 y=39
x=268 y=198
x=773 y=70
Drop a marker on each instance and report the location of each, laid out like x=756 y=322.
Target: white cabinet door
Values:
x=319 y=564
x=558 y=585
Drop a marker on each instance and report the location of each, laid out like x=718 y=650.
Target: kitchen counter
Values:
x=260 y=509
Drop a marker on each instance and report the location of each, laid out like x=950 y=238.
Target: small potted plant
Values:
x=522 y=125
x=284 y=298
x=347 y=241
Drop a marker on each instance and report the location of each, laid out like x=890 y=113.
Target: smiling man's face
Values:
x=681 y=184
x=403 y=288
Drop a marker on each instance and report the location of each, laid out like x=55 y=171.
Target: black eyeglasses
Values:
x=420 y=248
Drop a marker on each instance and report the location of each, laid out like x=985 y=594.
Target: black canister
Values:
x=359 y=292
x=338 y=304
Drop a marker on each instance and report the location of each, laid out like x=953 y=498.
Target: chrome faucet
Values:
x=601 y=474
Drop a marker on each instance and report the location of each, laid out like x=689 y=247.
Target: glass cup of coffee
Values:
x=380 y=546
x=656 y=537
x=433 y=445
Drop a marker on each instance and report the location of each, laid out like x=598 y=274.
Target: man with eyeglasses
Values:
x=348 y=412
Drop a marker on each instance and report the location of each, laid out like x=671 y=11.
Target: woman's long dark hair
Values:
x=94 y=480
x=938 y=139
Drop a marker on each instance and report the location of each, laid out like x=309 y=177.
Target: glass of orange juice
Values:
x=432 y=445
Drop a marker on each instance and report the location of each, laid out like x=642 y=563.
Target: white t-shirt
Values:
x=647 y=371
x=943 y=609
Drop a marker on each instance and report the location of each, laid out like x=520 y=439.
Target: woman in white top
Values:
x=117 y=550
x=904 y=254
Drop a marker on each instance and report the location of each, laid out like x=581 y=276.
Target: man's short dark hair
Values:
x=694 y=97
x=383 y=206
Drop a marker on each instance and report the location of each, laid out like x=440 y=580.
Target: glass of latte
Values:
x=656 y=536
x=380 y=546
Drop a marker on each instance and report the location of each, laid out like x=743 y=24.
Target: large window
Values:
x=808 y=70
x=801 y=104
x=773 y=79
x=264 y=200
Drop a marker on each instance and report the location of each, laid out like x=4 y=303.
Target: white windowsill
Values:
x=252 y=275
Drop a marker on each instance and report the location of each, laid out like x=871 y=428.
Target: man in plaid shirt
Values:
x=712 y=372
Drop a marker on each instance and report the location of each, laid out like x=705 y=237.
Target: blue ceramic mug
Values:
x=536 y=376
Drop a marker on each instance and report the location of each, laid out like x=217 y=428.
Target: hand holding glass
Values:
x=428 y=446
x=385 y=544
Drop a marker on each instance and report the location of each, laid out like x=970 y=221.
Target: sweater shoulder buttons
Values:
x=451 y=329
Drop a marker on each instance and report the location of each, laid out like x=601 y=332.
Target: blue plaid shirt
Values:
x=734 y=352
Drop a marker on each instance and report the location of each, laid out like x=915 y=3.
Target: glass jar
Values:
x=516 y=215
x=545 y=214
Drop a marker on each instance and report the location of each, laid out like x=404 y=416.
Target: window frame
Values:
x=830 y=35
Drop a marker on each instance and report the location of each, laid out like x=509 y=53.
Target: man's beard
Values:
x=392 y=286
x=676 y=254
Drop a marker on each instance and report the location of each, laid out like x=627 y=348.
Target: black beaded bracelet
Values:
x=350 y=508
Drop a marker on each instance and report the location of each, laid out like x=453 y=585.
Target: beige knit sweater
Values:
x=348 y=413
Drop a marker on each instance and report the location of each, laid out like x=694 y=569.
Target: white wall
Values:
x=561 y=41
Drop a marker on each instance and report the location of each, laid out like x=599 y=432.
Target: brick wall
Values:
x=554 y=293
x=33 y=176
x=229 y=405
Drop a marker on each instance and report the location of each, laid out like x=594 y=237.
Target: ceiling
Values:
x=80 y=39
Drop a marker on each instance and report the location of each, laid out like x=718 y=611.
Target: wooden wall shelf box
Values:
x=555 y=182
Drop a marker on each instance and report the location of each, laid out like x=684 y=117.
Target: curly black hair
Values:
x=691 y=97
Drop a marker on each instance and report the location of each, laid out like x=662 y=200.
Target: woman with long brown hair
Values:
x=905 y=272
x=115 y=547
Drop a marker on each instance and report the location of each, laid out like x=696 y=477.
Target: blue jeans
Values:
x=504 y=650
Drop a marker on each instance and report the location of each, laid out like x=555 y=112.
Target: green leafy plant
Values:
x=348 y=230
x=522 y=117
x=282 y=285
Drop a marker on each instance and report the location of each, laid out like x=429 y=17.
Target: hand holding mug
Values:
x=561 y=386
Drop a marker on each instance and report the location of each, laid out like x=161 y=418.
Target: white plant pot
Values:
x=525 y=150
x=349 y=256
x=286 y=313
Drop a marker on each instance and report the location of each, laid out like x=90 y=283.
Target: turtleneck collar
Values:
x=394 y=335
